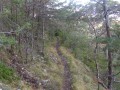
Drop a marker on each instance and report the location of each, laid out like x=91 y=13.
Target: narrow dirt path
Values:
x=67 y=74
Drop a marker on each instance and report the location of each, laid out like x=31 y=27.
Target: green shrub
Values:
x=7 y=74
x=7 y=40
x=86 y=79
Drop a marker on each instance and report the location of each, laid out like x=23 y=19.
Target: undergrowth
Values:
x=7 y=74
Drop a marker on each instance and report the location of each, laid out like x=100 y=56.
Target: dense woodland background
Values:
x=90 y=32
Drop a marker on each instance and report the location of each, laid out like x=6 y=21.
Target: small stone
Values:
x=45 y=81
x=18 y=89
x=40 y=83
x=44 y=70
x=0 y=84
x=42 y=57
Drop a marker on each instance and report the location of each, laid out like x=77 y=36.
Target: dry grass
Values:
x=81 y=74
x=52 y=70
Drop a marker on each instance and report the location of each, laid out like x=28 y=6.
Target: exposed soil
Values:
x=67 y=82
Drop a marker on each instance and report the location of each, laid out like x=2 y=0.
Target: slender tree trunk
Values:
x=38 y=30
x=107 y=28
x=11 y=9
x=26 y=48
x=16 y=15
x=1 y=6
x=43 y=29
x=19 y=36
x=26 y=39
x=95 y=54
x=1 y=10
x=96 y=64
x=32 y=30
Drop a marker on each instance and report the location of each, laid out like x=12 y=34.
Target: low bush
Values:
x=7 y=74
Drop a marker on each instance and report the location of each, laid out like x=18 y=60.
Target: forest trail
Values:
x=67 y=74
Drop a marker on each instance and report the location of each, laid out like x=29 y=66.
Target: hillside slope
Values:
x=50 y=72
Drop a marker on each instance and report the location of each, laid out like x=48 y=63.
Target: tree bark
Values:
x=107 y=28
x=95 y=52
x=32 y=42
x=43 y=29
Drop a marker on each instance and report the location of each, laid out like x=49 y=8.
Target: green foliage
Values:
x=7 y=73
x=77 y=42
x=116 y=37
x=103 y=40
x=26 y=25
x=17 y=1
x=112 y=43
x=86 y=79
x=6 y=12
x=116 y=29
x=79 y=45
x=7 y=40
x=57 y=33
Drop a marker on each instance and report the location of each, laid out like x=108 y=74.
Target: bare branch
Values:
x=116 y=74
x=117 y=81
x=6 y=32
x=103 y=85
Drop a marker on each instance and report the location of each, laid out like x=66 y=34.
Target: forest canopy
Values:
x=90 y=30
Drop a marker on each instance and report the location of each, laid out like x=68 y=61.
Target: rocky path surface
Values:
x=67 y=82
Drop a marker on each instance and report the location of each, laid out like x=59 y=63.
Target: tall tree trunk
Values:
x=95 y=53
x=26 y=39
x=1 y=6
x=43 y=29
x=11 y=9
x=38 y=30
x=107 y=28
x=33 y=29
x=1 y=10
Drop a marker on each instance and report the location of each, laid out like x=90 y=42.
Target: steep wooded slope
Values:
x=50 y=72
